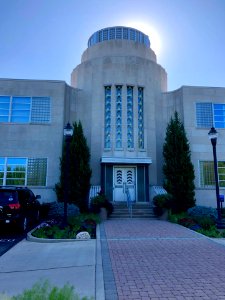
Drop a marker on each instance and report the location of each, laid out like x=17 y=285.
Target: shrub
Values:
x=100 y=201
x=203 y=211
x=162 y=202
x=205 y=222
x=56 y=210
x=43 y=290
x=211 y=232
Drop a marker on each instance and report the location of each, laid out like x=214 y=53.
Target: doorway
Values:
x=124 y=178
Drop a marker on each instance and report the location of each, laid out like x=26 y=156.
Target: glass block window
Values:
x=40 y=112
x=140 y=118
x=119 y=116
x=210 y=115
x=130 y=117
x=132 y=34
x=23 y=171
x=125 y=33
x=4 y=108
x=107 y=135
x=37 y=171
x=207 y=177
x=105 y=34
x=25 y=109
x=112 y=33
x=204 y=116
x=119 y=33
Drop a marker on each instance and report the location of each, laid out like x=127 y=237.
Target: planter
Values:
x=164 y=215
x=103 y=214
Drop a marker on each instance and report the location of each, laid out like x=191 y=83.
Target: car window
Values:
x=7 y=197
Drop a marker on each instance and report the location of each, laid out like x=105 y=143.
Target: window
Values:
x=107 y=137
x=23 y=171
x=207 y=178
x=140 y=118
x=210 y=115
x=118 y=116
x=24 y=109
x=130 y=116
x=37 y=171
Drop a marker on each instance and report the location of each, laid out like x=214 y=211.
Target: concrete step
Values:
x=139 y=210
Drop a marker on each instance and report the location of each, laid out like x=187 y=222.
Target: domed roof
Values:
x=119 y=33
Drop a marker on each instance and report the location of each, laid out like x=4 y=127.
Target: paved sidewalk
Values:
x=60 y=263
x=145 y=259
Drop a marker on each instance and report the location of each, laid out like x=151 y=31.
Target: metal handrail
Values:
x=129 y=201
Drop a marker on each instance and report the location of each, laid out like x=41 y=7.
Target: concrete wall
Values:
x=37 y=140
x=184 y=102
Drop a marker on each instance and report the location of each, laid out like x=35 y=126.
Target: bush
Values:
x=205 y=222
x=56 y=210
x=44 y=291
x=100 y=201
x=161 y=203
x=203 y=211
x=54 y=230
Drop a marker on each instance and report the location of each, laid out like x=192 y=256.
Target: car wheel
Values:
x=37 y=217
x=24 y=224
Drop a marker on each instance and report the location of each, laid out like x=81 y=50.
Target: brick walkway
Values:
x=145 y=259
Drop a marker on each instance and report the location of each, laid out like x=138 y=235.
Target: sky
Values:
x=44 y=39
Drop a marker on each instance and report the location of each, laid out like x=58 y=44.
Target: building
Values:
x=119 y=93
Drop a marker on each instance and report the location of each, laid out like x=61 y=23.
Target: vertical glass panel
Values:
x=140 y=118
x=21 y=109
x=130 y=121
x=2 y=170
x=204 y=115
x=207 y=178
x=119 y=116
x=107 y=136
x=4 y=108
x=219 y=115
x=16 y=171
x=37 y=171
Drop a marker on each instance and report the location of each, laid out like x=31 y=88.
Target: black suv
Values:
x=18 y=205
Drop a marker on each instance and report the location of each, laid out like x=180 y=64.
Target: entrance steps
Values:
x=139 y=211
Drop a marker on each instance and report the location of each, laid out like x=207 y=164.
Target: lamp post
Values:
x=213 y=134
x=67 y=132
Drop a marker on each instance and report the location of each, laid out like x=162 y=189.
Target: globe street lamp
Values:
x=67 y=132
x=213 y=134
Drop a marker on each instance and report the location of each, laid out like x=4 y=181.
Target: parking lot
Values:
x=9 y=237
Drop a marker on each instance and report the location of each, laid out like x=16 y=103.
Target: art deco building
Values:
x=119 y=93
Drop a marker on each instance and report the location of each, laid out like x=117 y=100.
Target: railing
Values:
x=129 y=201
x=94 y=190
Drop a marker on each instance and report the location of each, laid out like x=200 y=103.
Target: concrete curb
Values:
x=99 y=279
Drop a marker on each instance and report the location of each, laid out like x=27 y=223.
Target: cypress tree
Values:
x=79 y=170
x=178 y=168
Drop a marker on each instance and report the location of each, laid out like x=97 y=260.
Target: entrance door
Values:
x=124 y=178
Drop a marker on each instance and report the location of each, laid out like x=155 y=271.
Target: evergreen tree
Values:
x=79 y=170
x=178 y=168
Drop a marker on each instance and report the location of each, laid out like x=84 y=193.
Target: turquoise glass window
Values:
x=107 y=136
x=118 y=116
x=140 y=118
x=130 y=118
